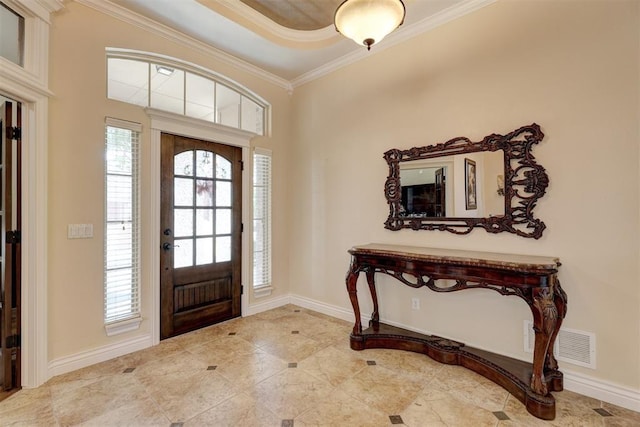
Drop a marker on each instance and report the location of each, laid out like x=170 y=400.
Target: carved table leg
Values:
x=545 y=320
x=352 y=280
x=553 y=375
x=375 y=316
x=560 y=301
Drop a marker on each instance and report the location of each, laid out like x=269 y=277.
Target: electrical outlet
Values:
x=415 y=303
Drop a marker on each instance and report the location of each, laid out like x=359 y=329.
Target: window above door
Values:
x=168 y=85
x=12 y=35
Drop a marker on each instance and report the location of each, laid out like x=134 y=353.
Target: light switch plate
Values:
x=80 y=231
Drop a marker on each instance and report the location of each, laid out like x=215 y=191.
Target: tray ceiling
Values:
x=296 y=14
x=292 y=40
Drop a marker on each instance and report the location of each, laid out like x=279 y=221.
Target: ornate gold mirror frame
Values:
x=525 y=182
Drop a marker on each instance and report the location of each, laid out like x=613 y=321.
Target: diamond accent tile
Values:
x=396 y=419
x=293 y=365
x=603 y=412
x=128 y=370
x=371 y=362
x=212 y=368
x=501 y=416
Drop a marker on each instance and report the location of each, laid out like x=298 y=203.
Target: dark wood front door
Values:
x=200 y=238
x=10 y=219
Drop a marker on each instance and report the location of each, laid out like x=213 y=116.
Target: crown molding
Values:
x=50 y=5
x=168 y=33
x=401 y=35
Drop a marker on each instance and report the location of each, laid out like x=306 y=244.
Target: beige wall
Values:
x=573 y=68
x=79 y=36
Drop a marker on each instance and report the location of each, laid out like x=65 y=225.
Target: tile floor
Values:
x=284 y=367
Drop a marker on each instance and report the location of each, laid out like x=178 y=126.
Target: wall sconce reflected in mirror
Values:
x=500 y=180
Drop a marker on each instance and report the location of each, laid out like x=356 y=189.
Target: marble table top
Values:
x=456 y=256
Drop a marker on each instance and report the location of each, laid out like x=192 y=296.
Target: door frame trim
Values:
x=162 y=121
x=29 y=86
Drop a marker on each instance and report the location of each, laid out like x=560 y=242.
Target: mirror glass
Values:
x=457 y=185
x=438 y=188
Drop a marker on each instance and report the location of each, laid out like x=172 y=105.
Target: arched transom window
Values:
x=166 y=84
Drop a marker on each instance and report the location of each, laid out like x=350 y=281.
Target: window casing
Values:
x=122 y=234
x=261 y=219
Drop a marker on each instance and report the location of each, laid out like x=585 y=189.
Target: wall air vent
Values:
x=572 y=346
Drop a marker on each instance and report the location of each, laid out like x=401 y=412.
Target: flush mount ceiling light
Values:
x=164 y=70
x=368 y=21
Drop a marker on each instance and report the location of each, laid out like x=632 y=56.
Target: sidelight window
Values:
x=261 y=218
x=121 y=247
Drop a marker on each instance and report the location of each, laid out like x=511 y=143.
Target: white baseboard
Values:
x=321 y=307
x=602 y=390
x=101 y=354
x=267 y=305
x=91 y=357
x=573 y=381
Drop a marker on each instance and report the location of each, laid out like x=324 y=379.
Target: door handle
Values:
x=167 y=246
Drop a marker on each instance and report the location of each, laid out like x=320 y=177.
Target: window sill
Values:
x=122 y=326
x=264 y=291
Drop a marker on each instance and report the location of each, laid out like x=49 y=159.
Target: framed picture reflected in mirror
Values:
x=471 y=195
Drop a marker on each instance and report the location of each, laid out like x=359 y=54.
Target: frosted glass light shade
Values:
x=368 y=21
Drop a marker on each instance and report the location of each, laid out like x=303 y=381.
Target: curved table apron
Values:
x=532 y=278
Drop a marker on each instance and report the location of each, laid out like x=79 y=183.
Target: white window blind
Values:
x=261 y=218
x=121 y=247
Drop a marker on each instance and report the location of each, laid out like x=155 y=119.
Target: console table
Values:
x=532 y=278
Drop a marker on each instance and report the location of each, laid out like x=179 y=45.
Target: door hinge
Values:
x=14 y=132
x=241 y=289
x=12 y=341
x=242 y=227
x=241 y=165
x=13 y=237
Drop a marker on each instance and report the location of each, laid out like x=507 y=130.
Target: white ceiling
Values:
x=292 y=55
